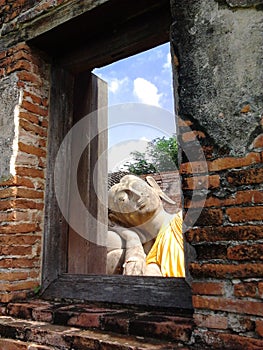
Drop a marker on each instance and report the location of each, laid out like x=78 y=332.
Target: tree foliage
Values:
x=161 y=155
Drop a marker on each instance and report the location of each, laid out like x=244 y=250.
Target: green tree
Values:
x=161 y=155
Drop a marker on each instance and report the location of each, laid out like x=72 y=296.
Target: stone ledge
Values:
x=24 y=334
x=124 y=322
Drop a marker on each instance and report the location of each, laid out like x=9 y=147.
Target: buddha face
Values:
x=133 y=201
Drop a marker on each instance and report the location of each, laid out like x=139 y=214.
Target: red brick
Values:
x=42 y=143
x=21 y=204
x=26 y=309
x=19 y=47
x=211 y=251
x=220 y=341
x=259 y=327
x=117 y=322
x=42 y=314
x=183 y=123
x=245 y=252
x=15 y=216
x=16 y=250
x=29 y=116
x=27 y=204
x=28 y=193
x=81 y=316
x=258 y=142
x=33 y=108
x=165 y=327
x=28 y=126
x=19 y=262
x=18 y=181
x=240 y=197
x=44 y=123
x=2 y=72
x=86 y=320
x=21 y=55
x=225 y=233
x=25 y=159
x=229 y=305
x=3 y=53
x=22 y=181
x=31 y=149
x=13 y=276
x=9 y=344
x=16 y=239
x=201 y=182
x=211 y=321
x=31 y=172
x=19 y=65
x=7 y=297
x=192 y=136
x=18 y=286
x=245 y=214
x=207 y=217
x=208 y=288
x=7 y=216
x=194 y=168
x=53 y=336
x=245 y=270
x=246 y=289
x=18 y=228
x=32 y=97
x=231 y=162
x=245 y=177
x=42 y=101
x=6 y=62
x=29 y=77
x=8 y=192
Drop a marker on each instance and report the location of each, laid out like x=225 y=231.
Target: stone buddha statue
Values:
x=143 y=239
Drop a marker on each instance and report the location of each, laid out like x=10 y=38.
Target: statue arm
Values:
x=135 y=262
x=132 y=250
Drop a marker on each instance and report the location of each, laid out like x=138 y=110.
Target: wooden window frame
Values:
x=138 y=31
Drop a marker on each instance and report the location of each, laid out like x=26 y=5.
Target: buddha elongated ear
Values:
x=158 y=190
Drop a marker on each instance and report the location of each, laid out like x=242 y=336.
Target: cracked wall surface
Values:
x=221 y=53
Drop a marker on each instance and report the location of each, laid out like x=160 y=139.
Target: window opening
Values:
x=128 y=28
x=139 y=84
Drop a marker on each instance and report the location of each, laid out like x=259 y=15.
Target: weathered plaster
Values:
x=220 y=73
x=9 y=100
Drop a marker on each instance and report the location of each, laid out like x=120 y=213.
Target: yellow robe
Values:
x=168 y=249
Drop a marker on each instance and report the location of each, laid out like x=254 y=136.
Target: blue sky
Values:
x=144 y=78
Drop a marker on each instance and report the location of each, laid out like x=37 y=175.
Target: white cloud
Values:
x=167 y=64
x=146 y=92
x=115 y=84
x=120 y=153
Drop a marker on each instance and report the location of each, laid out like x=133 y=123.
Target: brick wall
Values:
x=227 y=237
x=23 y=173
x=220 y=132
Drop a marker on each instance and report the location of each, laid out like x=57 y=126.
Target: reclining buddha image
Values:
x=143 y=238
